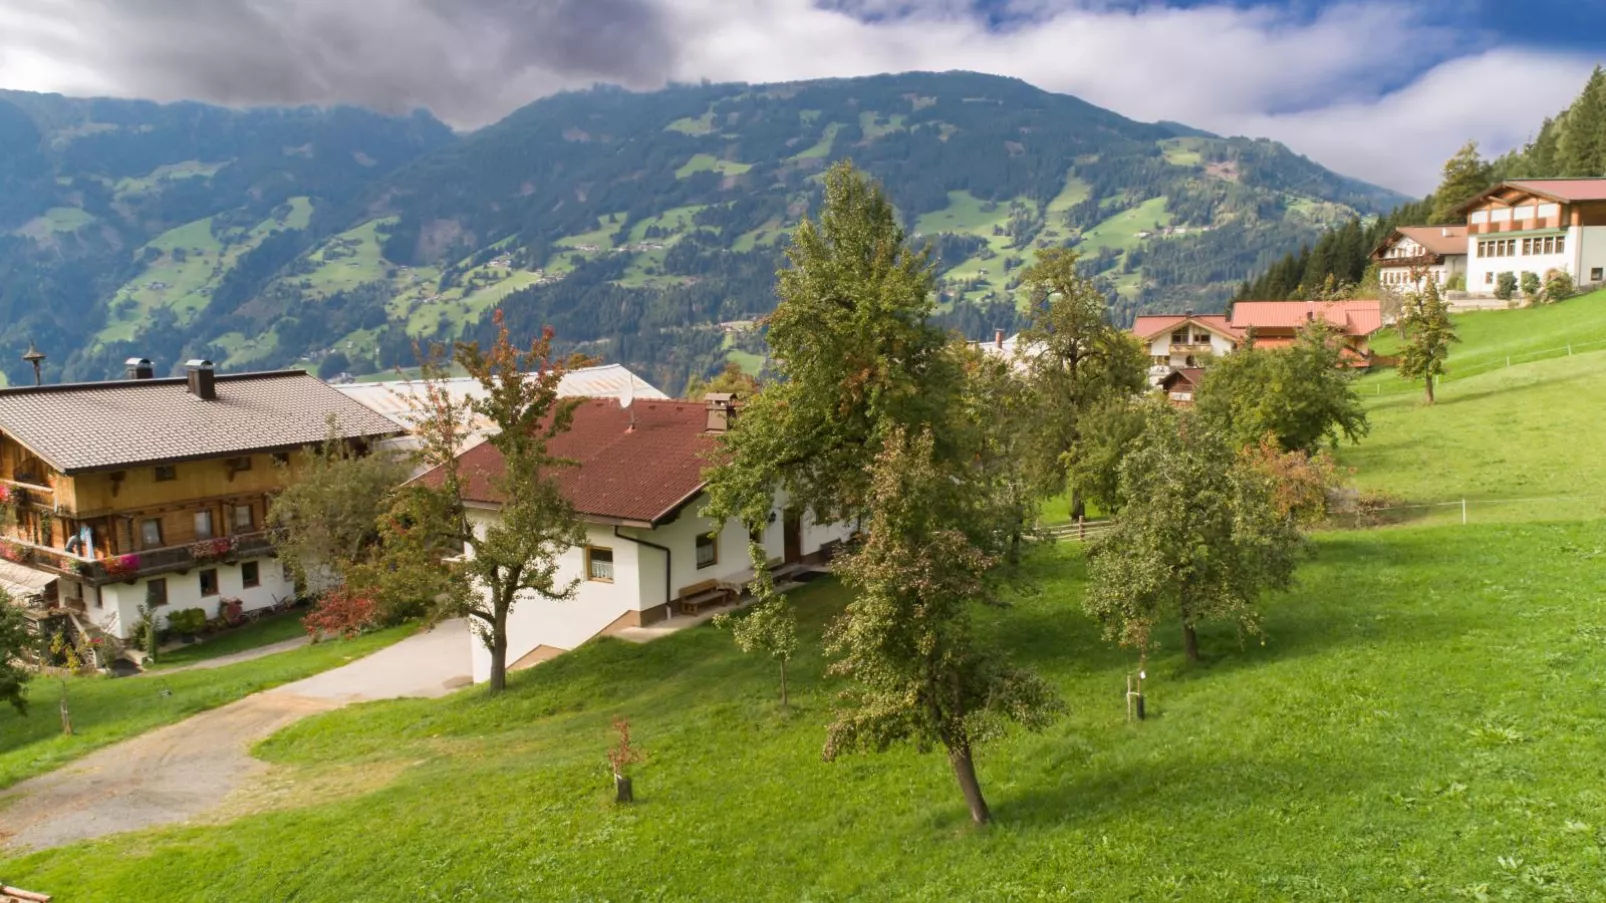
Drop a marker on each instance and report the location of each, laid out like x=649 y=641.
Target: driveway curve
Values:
x=177 y=772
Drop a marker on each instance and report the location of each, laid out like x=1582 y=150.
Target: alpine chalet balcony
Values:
x=135 y=565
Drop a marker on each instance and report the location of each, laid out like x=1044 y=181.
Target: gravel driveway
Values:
x=179 y=771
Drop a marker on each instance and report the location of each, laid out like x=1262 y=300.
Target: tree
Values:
x=517 y=552
x=1303 y=394
x=1465 y=175
x=1428 y=336
x=333 y=364
x=769 y=625
x=326 y=520
x=731 y=378
x=1077 y=361
x=855 y=356
x=919 y=673
x=1559 y=286
x=1581 y=145
x=16 y=641
x=1530 y=286
x=1198 y=538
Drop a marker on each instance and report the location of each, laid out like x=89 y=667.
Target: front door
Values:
x=792 y=535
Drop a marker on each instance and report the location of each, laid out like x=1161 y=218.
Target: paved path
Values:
x=234 y=658
x=179 y=771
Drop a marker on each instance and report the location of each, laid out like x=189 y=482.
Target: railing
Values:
x=1078 y=531
x=1191 y=348
x=141 y=563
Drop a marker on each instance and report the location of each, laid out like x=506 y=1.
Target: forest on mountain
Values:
x=1571 y=144
x=634 y=223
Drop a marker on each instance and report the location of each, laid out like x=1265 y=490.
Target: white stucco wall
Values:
x=1591 y=253
x=1483 y=273
x=118 y=608
x=1160 y=347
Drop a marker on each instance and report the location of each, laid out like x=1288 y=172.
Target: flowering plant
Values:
x=122 y=566
x=212 y=549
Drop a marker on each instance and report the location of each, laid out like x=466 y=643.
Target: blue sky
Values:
x=1372 y=88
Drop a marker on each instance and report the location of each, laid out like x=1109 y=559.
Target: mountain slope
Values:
x=635 y=223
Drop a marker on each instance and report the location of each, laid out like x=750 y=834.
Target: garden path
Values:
x=180 y=771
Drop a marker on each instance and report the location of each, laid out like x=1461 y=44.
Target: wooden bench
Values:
x=694 y=597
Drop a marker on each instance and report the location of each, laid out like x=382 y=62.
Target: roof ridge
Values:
x=103 y=384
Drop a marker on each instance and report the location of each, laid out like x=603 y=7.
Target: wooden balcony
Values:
x=1192 y=348
x=145 y=563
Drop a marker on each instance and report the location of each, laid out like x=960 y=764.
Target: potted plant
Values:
x=123 y=567
x=212 y=549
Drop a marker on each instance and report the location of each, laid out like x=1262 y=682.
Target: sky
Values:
x=1384 y=91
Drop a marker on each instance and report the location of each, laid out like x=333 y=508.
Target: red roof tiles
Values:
x=1355 y=318
x=1441 y=240
x=1150 y=326
x=643 y=474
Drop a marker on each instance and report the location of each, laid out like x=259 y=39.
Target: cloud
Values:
x=1370 y=88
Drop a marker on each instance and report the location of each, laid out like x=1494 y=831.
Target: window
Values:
x=209 y=582
x=1488 y=278
x=242 y=519
x=150 y=533
x=250 y=575
x=241 y=463
x=156 y=592
x=1561 y=244
x=203 y=525
x=1596 y=274
x=756 y=535
x=281 y=458
x=1179 y=337
x=707 y=550
x=1549 y=245
x=1527 y=246
x=599 y=564
x=165 y=472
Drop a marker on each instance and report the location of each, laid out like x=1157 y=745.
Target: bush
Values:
x=1457 y=283
x=1505 y=286
x=187 y=621
x=342 y=612
x=1530 y=285
x=1559 y=286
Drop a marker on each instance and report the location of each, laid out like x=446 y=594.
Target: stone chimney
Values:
x=139 y=368
x=721 y=411
x=203 y=383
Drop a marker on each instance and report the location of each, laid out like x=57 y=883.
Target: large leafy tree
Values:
x=1429 y=333
x=855 y=355
x=1076 y=361
x=16 y=641
x=1303 y=394
x=326 y=520
x=731 y=378
x=517 y=552
x=919 y=673
x=1199 y=537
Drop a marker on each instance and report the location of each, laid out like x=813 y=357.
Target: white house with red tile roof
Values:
x=1175 y=341
x=648 y=552
x=1411 y=255
x=1536 y=226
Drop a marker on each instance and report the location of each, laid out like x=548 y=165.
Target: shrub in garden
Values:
x=1530 y=286
x=1505 y=286
x=187 y=621
x=342 y=612
x=1559 y=286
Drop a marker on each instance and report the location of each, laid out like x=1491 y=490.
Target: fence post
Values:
x=1508 y=361
x=1569 y=350
x=1463 y=512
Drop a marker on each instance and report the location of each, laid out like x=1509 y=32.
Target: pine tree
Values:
x=1465 y=175
x=1581 y=146
x=1428 y=336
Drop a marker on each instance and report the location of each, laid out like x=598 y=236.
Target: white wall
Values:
x=1483 y=273
x=1591 y=252
x=638 y=581
x=118 y=612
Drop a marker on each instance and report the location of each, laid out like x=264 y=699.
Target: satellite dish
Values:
x=627 y=396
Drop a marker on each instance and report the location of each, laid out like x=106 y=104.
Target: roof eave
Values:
x=184 y=459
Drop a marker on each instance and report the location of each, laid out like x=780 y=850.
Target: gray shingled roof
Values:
x=97 y=426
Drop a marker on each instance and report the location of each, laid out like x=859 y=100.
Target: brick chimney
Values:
x=203 y=383
x=721 y=411
x=139 y=368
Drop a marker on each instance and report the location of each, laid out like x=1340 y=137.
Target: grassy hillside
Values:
x=1382 y=745
x=1530 y=430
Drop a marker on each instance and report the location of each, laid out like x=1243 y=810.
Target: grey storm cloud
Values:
x=467 y=60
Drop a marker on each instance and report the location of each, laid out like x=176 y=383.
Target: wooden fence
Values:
x=1078 y=531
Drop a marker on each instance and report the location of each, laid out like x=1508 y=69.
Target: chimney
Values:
x=203 y=384
x=998 y=338
x=139 y=368
x=721 y=411
x=1188 y=312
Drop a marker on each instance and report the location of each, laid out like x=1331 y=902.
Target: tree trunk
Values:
x=965 y=773
x=783 y=683
x=1190 y=642
x=1430 y=388
x=499 y=651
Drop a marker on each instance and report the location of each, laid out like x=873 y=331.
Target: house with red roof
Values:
x=1272 y=324
x=649 y=554
x=1185 y=340
x=1412 y=255
x=1536 y=226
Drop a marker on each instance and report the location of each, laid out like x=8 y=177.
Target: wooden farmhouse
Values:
x=153 y=492
x=1412 y=255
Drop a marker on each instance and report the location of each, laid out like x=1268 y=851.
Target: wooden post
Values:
x=1081 y=528
x=1463 y=512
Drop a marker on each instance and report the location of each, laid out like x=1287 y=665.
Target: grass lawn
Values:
x=106 y=709
x=1121 y=230
x=1423 y=722
x=1489 y=337
x=265 y=632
